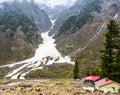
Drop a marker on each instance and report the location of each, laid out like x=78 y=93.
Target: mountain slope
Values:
x=74 y=32
x=19 y=30
x=82 y=35
x=34 y=13
x=17 y=36
x=63 y=13
x=79 y=29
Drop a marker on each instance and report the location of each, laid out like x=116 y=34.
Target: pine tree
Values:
x=111 y=52
x=115 y=75
x=76 y=70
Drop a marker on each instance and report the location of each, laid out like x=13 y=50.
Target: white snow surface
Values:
x=46 y=54
x=115 y=17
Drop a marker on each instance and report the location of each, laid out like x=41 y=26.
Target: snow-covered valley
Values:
x=46 y=54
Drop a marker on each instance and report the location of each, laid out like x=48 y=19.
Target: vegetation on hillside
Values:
x=57 y=71
x=18 y=36
x=74 y=23
x=110 y=55
x=15 y=18
x=76 y=70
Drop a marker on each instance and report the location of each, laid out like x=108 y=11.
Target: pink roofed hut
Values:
x=107 y=83
x=92 y=78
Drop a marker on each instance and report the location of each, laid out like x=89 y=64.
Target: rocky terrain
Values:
x=46 y=87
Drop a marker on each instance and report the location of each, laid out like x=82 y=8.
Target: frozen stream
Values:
x=46 y=54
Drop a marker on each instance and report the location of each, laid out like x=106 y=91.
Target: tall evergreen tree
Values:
x=76 y=70
x=110 y=55
x=115 y=75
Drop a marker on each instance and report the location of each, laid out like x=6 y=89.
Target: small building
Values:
x=92 y=78
x=106 y=83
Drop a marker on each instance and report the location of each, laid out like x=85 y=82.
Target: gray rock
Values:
x=29 y=89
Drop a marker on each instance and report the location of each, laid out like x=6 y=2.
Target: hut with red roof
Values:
x=106 y=83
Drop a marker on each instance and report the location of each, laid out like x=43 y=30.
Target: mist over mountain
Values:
x=49 y=3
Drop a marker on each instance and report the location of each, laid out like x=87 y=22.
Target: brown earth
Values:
x=45 y=87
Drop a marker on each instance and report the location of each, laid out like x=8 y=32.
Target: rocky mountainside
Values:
x=63 y=14
x=20 y=27
x=79 y=28
x=81 y=34
x=53 y=12
x=34 y=13
x=70 y=29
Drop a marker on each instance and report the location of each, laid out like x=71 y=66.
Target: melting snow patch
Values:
x=46 y=54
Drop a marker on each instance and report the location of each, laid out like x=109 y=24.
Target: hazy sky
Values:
x=51 y=3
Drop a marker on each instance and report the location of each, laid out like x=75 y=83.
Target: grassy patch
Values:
x=57 y=71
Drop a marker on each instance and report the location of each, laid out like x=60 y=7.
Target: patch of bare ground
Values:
x=47 y=87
